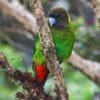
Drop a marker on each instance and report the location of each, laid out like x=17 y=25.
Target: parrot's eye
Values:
x=58 y=17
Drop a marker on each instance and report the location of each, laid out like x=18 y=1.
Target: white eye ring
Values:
x=51 y=21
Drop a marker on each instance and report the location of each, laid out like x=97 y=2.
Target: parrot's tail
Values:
x=41 y=73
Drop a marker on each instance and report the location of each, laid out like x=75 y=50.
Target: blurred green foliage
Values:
x=8 y=87
x=87 y=40
x=12 y=55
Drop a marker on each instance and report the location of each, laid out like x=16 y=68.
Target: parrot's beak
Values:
x=51 y=21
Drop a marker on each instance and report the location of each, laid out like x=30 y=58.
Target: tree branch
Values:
x=20 y=14
x=49 y=49
x=89 y=68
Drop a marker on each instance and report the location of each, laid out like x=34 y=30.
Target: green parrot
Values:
x=63 y=38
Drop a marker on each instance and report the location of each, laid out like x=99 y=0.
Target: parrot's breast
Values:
x=63 y=39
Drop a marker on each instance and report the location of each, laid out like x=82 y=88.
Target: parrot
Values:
x=63 y=38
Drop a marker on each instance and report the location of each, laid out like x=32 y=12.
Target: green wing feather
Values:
x=38 y=57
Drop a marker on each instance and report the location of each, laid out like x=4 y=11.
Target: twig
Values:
x=89 y=68
x=20 y=14
x=49 y=49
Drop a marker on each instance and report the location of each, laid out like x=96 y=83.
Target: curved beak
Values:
x=51 y=21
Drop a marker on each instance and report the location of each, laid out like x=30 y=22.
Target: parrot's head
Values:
x=58 y=17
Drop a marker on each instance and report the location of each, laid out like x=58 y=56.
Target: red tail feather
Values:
x=41 y=73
